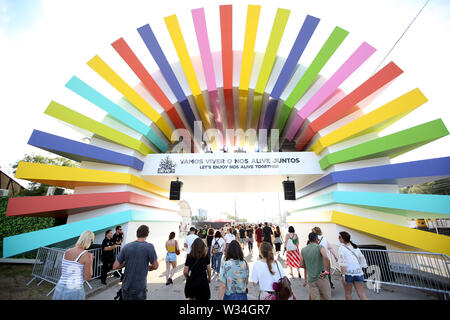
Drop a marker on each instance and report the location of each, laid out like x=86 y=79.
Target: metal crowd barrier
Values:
x=418 y=270
x=48 y=265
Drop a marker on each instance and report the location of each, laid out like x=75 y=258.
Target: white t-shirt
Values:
x=221 y=243
x=189 y=240
x=229 y=237
x=352 y=259
x=262 y=276
x=324 y=244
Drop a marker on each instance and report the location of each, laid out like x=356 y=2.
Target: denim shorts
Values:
x=171 y=256
x=235 y=296
x=64 y=292
x=351 y=279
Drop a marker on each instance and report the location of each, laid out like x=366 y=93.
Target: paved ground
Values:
x=157 y=289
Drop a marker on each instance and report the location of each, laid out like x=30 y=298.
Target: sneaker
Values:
x=170 y=281
x=103 y=282
x=167 y=282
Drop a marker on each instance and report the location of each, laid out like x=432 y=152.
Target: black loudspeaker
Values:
x=175 y=190
x=289 y=190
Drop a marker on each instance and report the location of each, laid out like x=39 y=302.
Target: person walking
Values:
x=228 y=238
x=250 y=239
x=266 y=272
x=242 y=237
x=277 y=241
x=317 y=268
x=217 y=247
x=138 y=257
x=351 y=262
x=190 y=238
x=108 y=255
x=293 y=258
x=234 y=275
x=267 y=233
x=197 y=270
x=76 y=267
x=328 y=248
x=118 y=240
x=209 y=239
x=171 y=257
x=259 y=236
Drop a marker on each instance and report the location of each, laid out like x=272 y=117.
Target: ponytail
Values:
x=346 y=237
x=267 y=253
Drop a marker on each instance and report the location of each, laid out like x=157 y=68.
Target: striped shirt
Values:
x=72 y=273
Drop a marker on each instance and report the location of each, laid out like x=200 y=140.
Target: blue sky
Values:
x=18 y=16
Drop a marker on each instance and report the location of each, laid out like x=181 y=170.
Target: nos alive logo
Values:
x=166 y=166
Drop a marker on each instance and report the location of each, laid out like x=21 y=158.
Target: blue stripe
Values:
x=87 y=92
x=79 y=151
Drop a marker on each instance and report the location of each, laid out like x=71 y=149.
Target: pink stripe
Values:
x=358 y=57
x=198 y=15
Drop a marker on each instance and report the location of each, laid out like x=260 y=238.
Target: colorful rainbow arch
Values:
x=238 y=89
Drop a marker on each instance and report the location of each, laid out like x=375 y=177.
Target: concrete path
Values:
x=157 y=289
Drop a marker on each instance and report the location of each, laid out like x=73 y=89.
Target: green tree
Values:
x=35 y=188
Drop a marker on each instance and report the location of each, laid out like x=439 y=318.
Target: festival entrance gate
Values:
x=243 y=103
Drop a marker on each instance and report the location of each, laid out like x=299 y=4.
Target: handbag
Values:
x=362 y=263
x=283 y=288
x=290 y=246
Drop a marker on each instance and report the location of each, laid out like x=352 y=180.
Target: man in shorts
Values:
x=317 y=268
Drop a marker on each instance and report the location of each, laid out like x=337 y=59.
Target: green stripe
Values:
x=392 y=145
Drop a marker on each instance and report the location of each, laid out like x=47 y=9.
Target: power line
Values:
x=409 y=25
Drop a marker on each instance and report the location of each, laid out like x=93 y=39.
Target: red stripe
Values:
x=362 y=95
x=64 y=205
x=150 y=84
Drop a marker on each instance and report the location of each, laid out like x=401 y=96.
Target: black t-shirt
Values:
x=117 y=238
x=197 y=267
x=107 y=255
x=267 y=232
x=209 y=240
x=234 y=232
x=250 y=233
x=242 y=233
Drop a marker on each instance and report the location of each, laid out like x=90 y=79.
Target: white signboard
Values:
x=258 y=163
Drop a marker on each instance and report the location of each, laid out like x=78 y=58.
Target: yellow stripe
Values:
x=407 y=236
x=69 y=177
x=374 y=121
x=249 y=45
x=276 y=34
x=180 y=46
x=107 y=73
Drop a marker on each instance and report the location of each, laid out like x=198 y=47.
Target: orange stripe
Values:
x=226 y=27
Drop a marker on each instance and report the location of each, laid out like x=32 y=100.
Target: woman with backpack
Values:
x=198 y=272
x=217 y=247
x=351 y=261
x=294 y=259
x=234 y=275
x=266 y=272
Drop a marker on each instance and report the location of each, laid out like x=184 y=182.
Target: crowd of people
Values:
x=219 y=253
